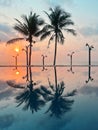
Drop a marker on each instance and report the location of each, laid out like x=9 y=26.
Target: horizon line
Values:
x=49 y=65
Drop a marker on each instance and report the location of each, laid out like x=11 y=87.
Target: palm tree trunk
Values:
x=30 y=53
x=55 y=74
x=27 y=61
x=30 y=80
x=55 y=52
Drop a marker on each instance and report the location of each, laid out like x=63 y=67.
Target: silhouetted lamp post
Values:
x=89 y=51
x=43 y=61
x=26 y=51
x=16 y=60
x=71 y=70
x=71 y=57
x=89 y=75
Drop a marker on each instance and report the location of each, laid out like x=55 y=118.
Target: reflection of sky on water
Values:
x=82 y=116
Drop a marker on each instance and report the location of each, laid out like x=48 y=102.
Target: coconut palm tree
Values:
x=60 y=103
x=59 y=20
x=28 y=28
x=30 y=97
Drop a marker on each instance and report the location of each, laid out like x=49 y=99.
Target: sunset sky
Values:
x=84 y=14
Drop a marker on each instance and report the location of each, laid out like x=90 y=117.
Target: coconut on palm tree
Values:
x=59 y=21
x=28 y=28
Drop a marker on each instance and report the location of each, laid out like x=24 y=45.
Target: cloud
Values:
x=3 y=85
x=36 y=49
x=2 y=15
x=6 y=31
x=6 y=94
x=6 y=121
x=4 y=107
x=54 y=123
x=89 y=90
x=5 y=91
x=89 y=31
x=60 y=2
x=5 y=28
x=5 y=2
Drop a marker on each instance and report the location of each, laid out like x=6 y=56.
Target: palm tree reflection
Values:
x=60 y=103
x=89 y=75
x=34 y=98
x=30 y=97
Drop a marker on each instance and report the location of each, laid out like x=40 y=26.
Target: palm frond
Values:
x=60 y=37
x=47 y=15
x=40 y=21
x=19 y=22
x=71 y=31
x=22 y=29
x=71 y=93
x=12 y=84
x=14 y=40
x=51 y=86
x=45 y=90
x=64 y=16
x=45 y=35
x=25 y=19
x=30 y=24
x=40 y=32
x=66 y=23
x=51 y=38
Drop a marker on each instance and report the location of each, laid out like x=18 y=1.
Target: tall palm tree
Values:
x=31 y=97
x=60 y=103
x=28 y=28
x=59 y=20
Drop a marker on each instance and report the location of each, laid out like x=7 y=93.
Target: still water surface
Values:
x=60 y=98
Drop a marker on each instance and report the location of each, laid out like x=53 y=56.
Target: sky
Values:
x=84 y=15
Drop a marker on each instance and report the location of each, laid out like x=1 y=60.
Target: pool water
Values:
x=60 y=98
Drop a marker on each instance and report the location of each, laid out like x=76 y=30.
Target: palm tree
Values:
x=28 y=28
x=59 y=20
x=60 y=103
x=31 y=98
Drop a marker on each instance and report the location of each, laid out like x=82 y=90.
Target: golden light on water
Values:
x=17 y=72
x=17 y=49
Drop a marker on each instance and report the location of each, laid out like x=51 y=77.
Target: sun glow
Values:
x=17 y=72
x=17 y=49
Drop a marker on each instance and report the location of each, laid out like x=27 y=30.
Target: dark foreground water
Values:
x=60 y=98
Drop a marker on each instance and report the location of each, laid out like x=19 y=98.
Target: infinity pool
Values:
x=60 y=98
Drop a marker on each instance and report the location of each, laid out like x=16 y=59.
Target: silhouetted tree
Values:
x=31 y=98
x=60 y=103
x=59 y=20
x=29 y=27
